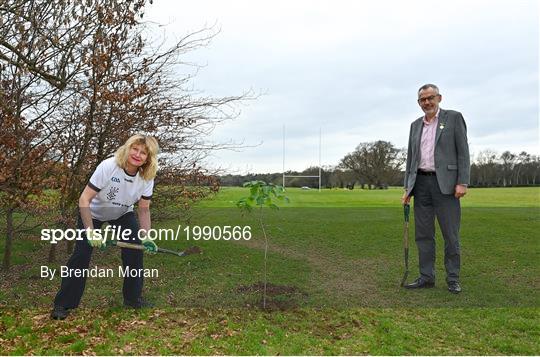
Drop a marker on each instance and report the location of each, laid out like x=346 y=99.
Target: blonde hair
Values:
x=149 y=168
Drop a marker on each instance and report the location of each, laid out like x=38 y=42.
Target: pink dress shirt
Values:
x=427 y=144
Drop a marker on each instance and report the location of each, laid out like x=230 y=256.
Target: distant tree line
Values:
x=377 y=165
x=371 y=165
x=507 y=169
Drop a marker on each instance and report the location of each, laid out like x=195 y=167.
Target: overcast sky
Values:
x=352 y=68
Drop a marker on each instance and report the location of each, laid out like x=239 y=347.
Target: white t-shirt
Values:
x=117 y=190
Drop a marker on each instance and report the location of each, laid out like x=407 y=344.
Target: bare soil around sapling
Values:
x=278 y=297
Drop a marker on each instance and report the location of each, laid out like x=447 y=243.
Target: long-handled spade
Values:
x=406 y=211
x=188 y=251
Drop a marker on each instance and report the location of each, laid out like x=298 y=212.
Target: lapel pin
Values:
x=441 y=126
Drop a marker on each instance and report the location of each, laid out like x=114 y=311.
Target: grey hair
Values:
x=427 y=86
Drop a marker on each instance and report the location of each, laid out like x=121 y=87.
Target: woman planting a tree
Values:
x=115 y=186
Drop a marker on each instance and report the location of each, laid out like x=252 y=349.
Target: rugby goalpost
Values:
x=309 y=176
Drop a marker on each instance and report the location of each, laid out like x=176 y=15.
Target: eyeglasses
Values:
x=431 y=98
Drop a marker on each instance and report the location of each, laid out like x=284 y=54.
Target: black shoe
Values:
x=59 y=313
x=420 y=283
x=138 y=304
x=454 y=287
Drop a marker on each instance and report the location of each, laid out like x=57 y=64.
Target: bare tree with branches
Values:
x=110 y=81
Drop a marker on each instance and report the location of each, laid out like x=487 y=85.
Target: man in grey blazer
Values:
x=437 y=175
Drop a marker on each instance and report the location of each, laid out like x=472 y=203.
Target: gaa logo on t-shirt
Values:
x=115 y=179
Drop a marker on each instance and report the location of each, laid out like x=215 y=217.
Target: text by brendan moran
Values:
x=95 y=272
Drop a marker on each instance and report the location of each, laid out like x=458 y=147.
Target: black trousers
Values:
x=72 y=288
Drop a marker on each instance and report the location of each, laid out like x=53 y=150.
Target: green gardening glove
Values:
x=94 y=239
x=149 y=245
x=108 y=243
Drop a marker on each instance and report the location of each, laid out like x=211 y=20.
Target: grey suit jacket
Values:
x=452 y=161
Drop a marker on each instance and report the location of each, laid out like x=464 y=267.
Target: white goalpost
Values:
x=310 y=176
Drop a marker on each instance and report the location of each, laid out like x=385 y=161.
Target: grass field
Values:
x=335 y=262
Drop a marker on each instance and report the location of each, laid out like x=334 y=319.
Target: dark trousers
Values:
x=72 y=288
x=429 y=203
